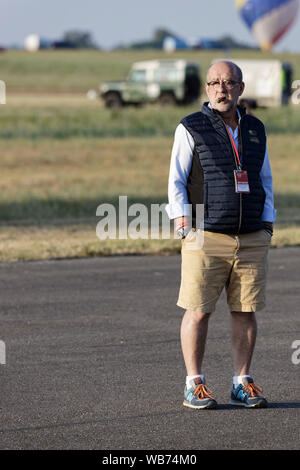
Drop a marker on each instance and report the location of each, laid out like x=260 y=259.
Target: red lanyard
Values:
x=234 y=146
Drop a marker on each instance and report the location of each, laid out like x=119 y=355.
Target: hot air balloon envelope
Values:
x=268 y=20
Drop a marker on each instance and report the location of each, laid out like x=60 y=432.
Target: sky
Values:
x=114 y=22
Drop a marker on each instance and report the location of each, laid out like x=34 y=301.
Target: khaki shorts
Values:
x=212 y=261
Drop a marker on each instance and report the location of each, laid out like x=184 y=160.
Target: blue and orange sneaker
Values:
x=247 y=395
x=198 y=396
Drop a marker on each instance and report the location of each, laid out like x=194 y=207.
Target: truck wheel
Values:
x=167 y=99
x=113 y=100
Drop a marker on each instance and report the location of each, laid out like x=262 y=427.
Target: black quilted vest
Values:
x=211 y=179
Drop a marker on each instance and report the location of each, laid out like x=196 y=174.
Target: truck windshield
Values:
x=138 y=76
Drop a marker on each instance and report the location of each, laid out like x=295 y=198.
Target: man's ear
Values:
x=242 y=88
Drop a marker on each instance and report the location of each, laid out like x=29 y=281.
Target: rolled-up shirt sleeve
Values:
x=181 y=161
x=269 y=213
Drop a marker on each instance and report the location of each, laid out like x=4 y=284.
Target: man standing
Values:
x=220 y=160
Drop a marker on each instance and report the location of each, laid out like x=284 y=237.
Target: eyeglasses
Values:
x=229 y=84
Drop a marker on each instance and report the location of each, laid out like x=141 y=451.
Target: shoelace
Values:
x=202 y=392
x=253 y=389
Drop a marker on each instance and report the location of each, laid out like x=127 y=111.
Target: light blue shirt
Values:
x=181 y=161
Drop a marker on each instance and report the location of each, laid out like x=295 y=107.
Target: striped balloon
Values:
x=268 y=20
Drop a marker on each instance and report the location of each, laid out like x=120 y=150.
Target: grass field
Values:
x=63 y=155
x=73 y=117
x=78 y=71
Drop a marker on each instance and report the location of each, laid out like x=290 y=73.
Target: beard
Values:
x=225 y=106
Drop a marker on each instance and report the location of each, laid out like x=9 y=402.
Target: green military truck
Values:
x=168 y=82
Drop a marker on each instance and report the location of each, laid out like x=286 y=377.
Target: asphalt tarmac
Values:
x=93 y=359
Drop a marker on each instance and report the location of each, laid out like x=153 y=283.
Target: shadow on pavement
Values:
x=271 y=405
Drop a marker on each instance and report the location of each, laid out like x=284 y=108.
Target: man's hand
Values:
x=269 y=227
x=182 y=222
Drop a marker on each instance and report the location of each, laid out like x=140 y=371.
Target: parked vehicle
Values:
x=168 y=82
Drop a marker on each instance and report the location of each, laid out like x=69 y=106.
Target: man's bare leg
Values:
x=193 y=334
x=193 y=338
x=243 y=329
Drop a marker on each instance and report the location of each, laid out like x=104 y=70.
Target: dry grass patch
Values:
x=51 y=188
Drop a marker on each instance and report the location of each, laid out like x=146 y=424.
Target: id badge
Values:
x=241 y=181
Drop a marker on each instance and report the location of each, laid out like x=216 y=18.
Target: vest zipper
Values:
x=241 y=153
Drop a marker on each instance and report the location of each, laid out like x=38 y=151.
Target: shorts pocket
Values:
x=190 y=236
